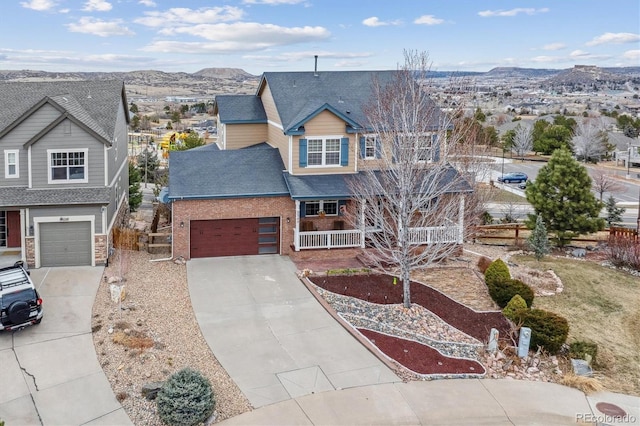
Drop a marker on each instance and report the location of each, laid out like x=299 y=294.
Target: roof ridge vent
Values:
x=315 y=68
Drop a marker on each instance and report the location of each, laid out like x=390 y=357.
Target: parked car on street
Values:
x=522 y=185
x=516 y=177
x=20 y=303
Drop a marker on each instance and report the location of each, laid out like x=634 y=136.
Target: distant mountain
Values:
x=592 y=76
x=514 y=72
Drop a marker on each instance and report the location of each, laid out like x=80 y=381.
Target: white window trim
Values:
x=374 y=138
x=321 y=207
x=324 y=151
x=16 y=153
x=68 y=181
x=431 y=136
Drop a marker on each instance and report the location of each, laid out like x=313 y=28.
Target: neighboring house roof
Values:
x=299 y=96
x=621 y=142
x=337 y=186
x=16 y=196
x=240 y=109
x=197 y=174
x=207 y=147
x=92 y=104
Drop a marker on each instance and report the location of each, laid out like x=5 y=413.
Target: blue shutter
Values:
x=303 y=153
x=363 y=147
x=303 y=209
x=344 y=151
x=341 y=203
x=378 y=147
x=435 y=146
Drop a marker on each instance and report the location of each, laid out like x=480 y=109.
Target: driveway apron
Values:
x=50 y=372
x=271 y=335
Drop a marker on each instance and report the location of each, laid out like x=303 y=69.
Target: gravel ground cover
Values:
x=153 y=333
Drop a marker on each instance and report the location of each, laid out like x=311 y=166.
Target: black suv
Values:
x=20 y=303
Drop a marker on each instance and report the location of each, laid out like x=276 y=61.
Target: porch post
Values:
x=363 y=225
x=296 y=231
x=461 y=220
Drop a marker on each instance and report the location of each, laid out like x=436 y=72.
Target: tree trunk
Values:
x=406 y=288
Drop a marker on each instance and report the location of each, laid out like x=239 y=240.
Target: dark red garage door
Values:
x=235 y=237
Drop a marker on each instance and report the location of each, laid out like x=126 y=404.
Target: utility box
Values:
x=524 y=341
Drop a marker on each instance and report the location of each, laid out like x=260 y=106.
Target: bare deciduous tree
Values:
x=522 y=140
x=411 y=194
x=589 y=141
x=602 y=182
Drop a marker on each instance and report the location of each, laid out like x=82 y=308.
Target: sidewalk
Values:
x=447 y=402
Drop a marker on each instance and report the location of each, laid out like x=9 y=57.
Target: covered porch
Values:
x=321 y=204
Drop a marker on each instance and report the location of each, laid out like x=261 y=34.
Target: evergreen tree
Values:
x=614 y=213
x=135 y=194
x=148 y=161
x=561 y=195
x=538 y=240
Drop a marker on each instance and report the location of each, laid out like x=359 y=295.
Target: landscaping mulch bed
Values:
x=421 y=358
x=380 y=288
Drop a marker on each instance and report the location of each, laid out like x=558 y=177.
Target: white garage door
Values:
x=65 y=244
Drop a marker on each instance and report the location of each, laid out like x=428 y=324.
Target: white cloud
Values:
x=242 y=36
x=374 y=21
x=512 y=12
x=579 y=53
x=272 y=2
x=41 y=59
x=614 y=38
x=302 y=55
x=186 y=16
x=148 y=3
x=428 y=20
x=633 y=55
x=39 y=5
x=97 y=6
x=554 y=46
x=89 y=25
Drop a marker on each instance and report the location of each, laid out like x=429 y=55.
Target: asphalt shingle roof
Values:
x=240 y=109
x=16 y=196
x=199 y=174
x=94 y=103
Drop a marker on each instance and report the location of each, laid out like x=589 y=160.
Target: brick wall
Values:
x=30 y=251
x=238 y=208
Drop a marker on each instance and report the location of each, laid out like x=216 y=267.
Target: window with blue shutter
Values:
x=341 y=207
x=303 y=211
x=435 y=146
x=378 y=147
x=363 y=147
x=303 y=152
x=344 y=151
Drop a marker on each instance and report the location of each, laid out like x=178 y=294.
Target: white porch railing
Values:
x=354 y=237
x=330 y=239
x=434 y=235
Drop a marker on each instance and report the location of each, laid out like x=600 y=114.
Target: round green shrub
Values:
x=498 y=271
x=548 y=330
x=516 y=304
x=185 y=399
x=503 y=291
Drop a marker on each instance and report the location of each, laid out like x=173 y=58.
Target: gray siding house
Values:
x=64 y=173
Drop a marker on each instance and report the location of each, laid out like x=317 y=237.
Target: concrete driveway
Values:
x=271 y=335
x=50 y=372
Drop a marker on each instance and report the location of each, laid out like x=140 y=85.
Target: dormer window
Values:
x=323 y=152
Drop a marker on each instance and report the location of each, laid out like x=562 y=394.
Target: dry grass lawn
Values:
x=602 y=305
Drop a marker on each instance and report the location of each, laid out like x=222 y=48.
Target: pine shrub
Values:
x=502 y=292
x=580 y=349
x=548 y=330
x=516 y=304
x=498 y=271
x=186 y=399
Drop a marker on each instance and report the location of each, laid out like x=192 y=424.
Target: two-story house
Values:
x=279 y=180
x=63 y=169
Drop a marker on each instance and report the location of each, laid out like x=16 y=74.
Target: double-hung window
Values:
x=323 y=151
x=68 y=166
x=313 y=208
x=425 y=146
x=11 y=166
x=370 y=147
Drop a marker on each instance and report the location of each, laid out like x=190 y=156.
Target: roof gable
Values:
x=92 y=104
x=239 y=109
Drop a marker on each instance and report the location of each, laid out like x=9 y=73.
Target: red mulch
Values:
x=421 y=358
x=379 y=288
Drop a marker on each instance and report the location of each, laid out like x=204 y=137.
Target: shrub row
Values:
x=548 y=330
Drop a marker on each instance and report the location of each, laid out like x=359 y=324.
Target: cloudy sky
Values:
x=284 y=35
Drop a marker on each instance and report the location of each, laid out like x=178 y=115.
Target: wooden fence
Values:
x=517 y=233
x=132 y=239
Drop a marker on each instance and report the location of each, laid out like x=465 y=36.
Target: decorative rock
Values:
x=579 y=252
x=150 y=390
x=581 y=367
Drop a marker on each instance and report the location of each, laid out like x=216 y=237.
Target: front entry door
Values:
x=13 y=228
